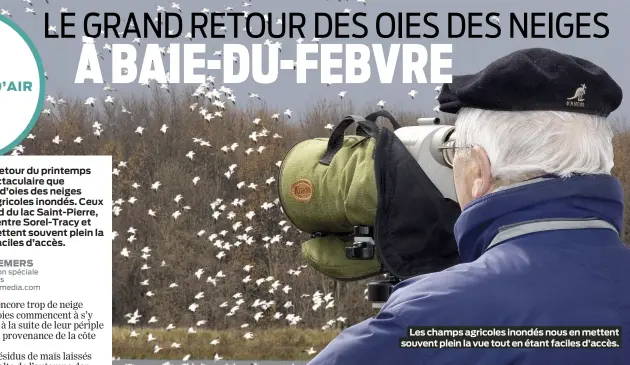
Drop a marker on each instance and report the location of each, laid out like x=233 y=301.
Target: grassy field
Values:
x=273 y=344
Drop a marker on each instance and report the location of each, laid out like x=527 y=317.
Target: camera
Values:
x=378 y=202
x=426 y=144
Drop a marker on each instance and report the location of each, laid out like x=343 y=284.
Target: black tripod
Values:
x=363 y=248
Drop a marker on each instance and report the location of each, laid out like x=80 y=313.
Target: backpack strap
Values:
x=542 y=225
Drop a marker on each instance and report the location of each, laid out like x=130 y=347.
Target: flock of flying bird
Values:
x=210 y=103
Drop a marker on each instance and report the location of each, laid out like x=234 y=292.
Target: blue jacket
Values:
x=547 y=278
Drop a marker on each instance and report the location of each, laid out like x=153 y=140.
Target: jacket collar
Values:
x=576 y=197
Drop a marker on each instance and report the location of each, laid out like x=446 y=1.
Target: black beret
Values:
x=534 y=79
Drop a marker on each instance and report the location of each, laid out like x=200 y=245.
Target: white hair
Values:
x=526 y=144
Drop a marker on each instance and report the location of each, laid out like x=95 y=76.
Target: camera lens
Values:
x=448 y=152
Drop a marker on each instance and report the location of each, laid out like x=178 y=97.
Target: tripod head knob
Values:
x=363 y=246
x=379 y=291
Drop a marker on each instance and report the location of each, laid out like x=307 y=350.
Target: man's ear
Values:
x=483 y=177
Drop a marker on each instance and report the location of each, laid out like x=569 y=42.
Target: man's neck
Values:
x=499 y=184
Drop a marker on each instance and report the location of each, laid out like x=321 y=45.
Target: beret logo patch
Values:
x=577 y=100
x=302 y=190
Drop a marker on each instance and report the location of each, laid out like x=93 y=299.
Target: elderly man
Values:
x=539 y=231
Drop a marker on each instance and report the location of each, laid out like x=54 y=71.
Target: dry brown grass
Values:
x=273 y=344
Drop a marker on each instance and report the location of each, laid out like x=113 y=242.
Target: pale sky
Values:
x=61 y=56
